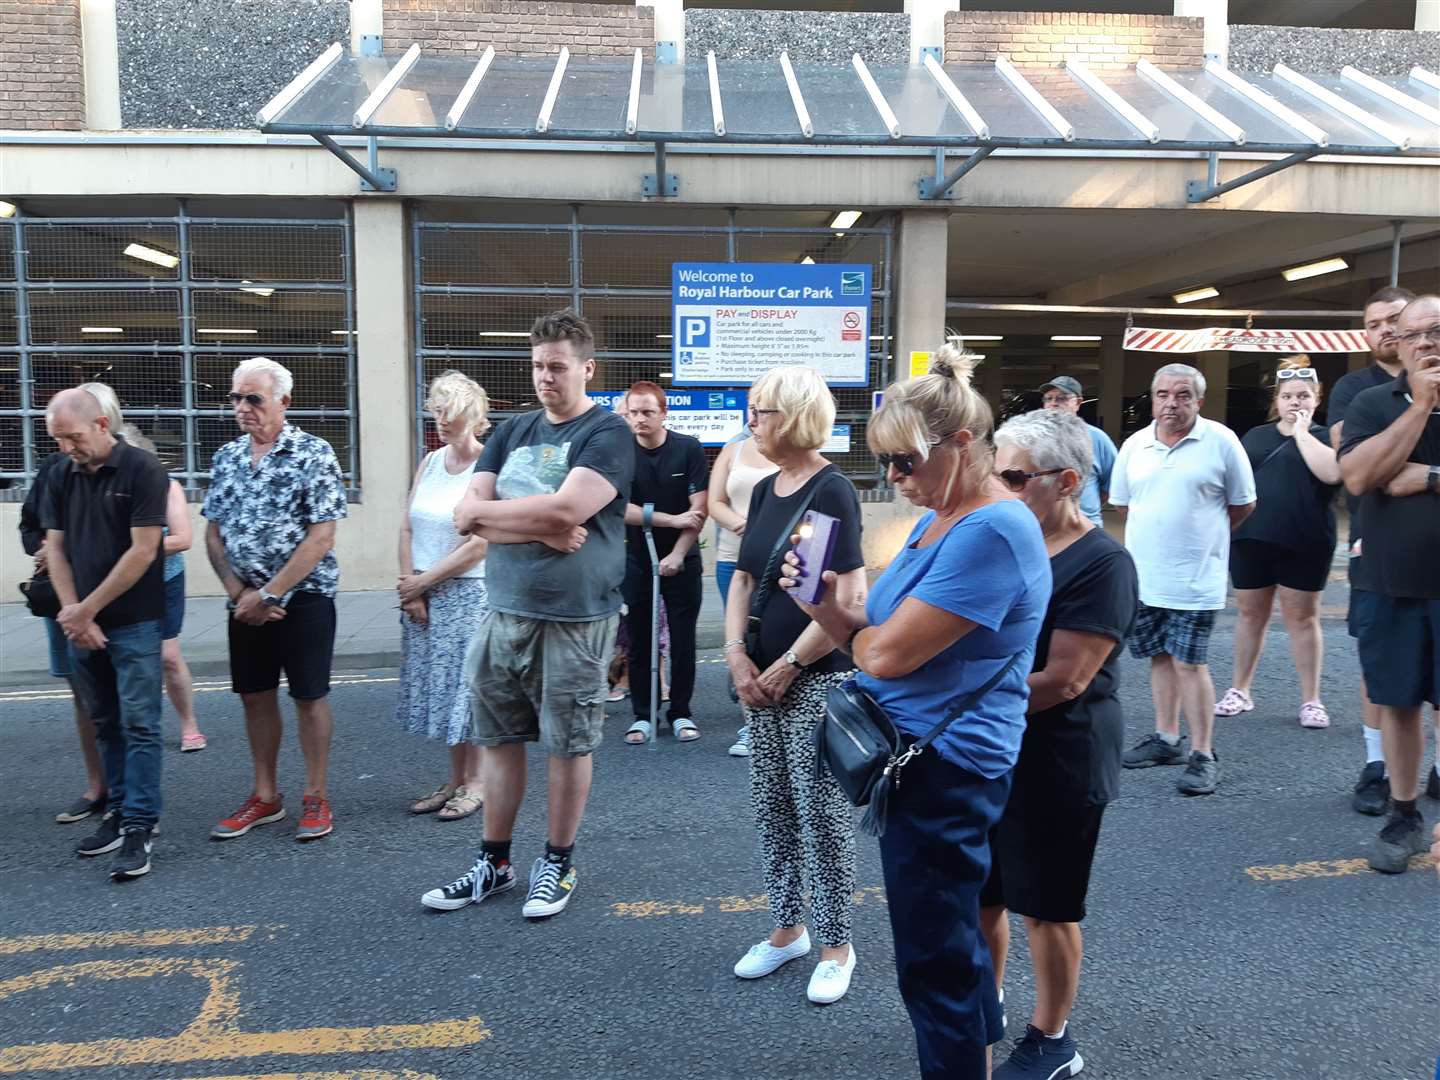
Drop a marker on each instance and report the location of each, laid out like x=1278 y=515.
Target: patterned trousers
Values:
x=807 y=826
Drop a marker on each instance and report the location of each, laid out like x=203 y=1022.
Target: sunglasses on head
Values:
x=254 y=400
x=1295 y=373
x=1016 y=479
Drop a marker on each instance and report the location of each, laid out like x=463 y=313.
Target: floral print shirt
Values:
x=264 y=510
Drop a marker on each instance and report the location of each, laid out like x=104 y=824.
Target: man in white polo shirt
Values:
x=1184 y=484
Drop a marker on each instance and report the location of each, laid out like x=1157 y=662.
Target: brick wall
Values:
x=42 y=77
x=1047 y=38
x=522 y=27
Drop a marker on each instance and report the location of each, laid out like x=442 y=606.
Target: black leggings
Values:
x=682 y=596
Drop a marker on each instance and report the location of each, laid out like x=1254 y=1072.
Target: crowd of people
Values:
x=1008 y=607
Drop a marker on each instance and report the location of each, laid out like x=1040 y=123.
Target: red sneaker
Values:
x=315 y=820
x=253 y=813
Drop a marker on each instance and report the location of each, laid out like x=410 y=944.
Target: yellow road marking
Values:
x=1323 y=868
x=348 y=1074
x=204 y=935
x=727 y=905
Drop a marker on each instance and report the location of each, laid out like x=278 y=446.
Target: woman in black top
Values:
x=782 y=674
x=1288 y=544
x=1069 y=765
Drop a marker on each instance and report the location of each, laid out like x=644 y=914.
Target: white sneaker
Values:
x=764 y=958
x=830 y=980
x=741 y=746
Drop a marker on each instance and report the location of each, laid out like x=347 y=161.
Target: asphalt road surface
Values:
x=1235 y=936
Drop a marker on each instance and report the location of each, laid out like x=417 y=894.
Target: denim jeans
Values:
x=121 y=685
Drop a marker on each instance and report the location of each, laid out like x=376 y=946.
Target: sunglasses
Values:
x=904 y=463
x=253 y=400
x=1295 y=373
x=1016 y=479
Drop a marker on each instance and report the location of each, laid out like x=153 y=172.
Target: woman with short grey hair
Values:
x=1069 y=765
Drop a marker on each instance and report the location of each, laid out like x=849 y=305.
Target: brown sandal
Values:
x=434 y=801
x=462 y=804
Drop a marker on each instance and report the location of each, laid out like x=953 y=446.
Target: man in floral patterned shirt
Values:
x=275 y=495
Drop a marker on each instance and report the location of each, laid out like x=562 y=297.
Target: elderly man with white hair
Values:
x=275 y=495
x=1184 y=484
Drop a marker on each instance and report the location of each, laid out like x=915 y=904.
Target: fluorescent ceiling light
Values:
x=228 y=331
x=663 y=337
x=807 y=260
x=1315 y=269
x=664 y=374
x=1074 y=337
x=102 y=329
x=1204 y=292
x=150 y=255
x=257 y=292
x=982 y=337
x=845 y=219
x=506 y=334
x=7 y=209
x=343 y=333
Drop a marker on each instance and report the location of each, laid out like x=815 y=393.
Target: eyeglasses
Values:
x=1416 y=335
x=904 y=463
x=1016 y=479
x=1056 y=399
x=756 y=414
x=253 y=400
x=1295 y=373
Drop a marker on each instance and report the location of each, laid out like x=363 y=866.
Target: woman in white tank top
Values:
x=442 y=594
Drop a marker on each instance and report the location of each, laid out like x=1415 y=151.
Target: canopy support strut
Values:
x=1197 y=191
x=373 y=177
x=939 y=186
x=660 y=184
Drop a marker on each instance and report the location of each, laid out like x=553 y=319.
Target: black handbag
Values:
x=41 y=597
x=858 y=743
x=763 y=588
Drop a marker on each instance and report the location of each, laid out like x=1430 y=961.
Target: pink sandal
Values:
x=1313 y=715
x=1234 y=703
x=192 y=742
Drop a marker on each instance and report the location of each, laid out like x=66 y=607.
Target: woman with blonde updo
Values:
x=442 y=594
x=957 y=611
x=1287 y=544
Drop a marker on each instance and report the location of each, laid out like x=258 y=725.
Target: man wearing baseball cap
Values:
x=1064 y=393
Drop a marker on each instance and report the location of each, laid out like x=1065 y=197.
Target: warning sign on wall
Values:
x=1236 y=339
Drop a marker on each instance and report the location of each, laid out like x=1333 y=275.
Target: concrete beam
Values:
x=1215 y=366
x=1112 y=387
x=669 y=23
x=366 y=17
x=1427 y=15
x=1216 y=14
x=101 y=46
x=1416 y=256
x=927 y=25
x=923 y=241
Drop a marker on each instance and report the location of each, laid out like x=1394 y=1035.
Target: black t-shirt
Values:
x=1294 y=509
x=666 y=476
x=1072 y=751
x=1341 y=396
x=47 y=477
x=96 y=512
x=781 y=622
x=1401 y=535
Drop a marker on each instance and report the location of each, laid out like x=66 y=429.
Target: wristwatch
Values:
x=269 y=599
x=792 y=659
x=1432 y=480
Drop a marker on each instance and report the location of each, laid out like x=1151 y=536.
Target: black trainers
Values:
x=551 y=886
x=1201 y=775
x=482 y=880
x=134 y=858
x=1153 y=750
x=1372 y=790
x=1037 y=1058
x=80 y=809
x=105 y=838
x=1401 y=838
x=1432 y=784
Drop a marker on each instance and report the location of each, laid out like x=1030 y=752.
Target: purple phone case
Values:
x=814 y=551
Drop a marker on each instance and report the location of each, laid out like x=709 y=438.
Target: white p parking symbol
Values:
x=695 y=332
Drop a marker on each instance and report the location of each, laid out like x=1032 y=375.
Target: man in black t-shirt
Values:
x=1390 y=457
x=672 y=476
x=103 y=525
x=1382 y=312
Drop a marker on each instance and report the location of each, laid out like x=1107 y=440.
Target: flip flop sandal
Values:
x=192 y=742
x=641 y=728
x=461 y=805
x=434 y=801
x=685 y=730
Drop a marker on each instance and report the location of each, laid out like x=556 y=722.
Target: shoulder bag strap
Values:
x=1274 y=453
x=968 y=702
x=761 y=596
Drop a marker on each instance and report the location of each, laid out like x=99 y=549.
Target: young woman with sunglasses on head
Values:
x=1286 y=546
x=961 y=604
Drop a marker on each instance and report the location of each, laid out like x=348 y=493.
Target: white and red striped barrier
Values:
x=1234 y=339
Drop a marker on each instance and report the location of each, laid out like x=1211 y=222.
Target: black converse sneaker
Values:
x=105 y=838
x=481 y=880
x=134 y=858
x=551 y=886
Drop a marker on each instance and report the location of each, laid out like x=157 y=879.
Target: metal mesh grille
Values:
x=104 y=306
x=479 y=288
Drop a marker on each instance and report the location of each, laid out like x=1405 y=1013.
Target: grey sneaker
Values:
x=1153 y=750
x=741 y=746
x=1200 y=775
x=1401 y=838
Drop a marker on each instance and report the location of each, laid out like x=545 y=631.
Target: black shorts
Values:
x=1040 y=858
x=302 y=645
x=1399 y=648
x=1256 y=564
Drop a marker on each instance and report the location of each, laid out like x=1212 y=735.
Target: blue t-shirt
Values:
x=990 y=568
x=1103 y=461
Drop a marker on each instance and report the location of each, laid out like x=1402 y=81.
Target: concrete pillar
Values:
x=1427 y=14
x=669 y=24
x=1215 y=366
x=366 y=17
x=927 y=25
x=1111 y=388
x=1216 y=14
x=385 y=387
x=100 y=43
x=992 y=378
x=919 y=279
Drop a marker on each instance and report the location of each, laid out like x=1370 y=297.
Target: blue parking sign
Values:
x=695 y=331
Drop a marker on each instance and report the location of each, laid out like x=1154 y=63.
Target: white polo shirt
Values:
x=1177 y=528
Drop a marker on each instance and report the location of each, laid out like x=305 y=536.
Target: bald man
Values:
x=103 y=525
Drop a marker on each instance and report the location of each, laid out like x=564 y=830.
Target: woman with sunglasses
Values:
x=961 y=604
x=1069 y=766
x=1286 y=546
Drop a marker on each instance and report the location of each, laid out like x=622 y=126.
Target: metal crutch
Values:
x=647 y=517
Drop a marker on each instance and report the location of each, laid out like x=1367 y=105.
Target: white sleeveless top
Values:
x=432 y=510
x=739 y=485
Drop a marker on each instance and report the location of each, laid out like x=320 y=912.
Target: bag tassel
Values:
x=873 y=823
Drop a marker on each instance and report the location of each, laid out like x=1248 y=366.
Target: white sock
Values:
x=1169 y=740
x=1060 y=1033
x=1373 y=748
